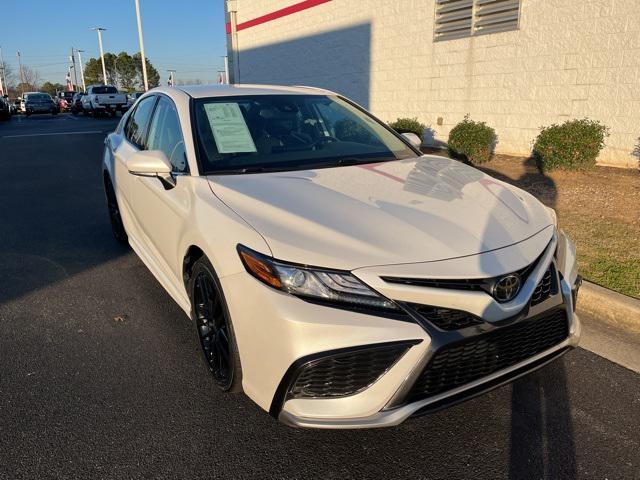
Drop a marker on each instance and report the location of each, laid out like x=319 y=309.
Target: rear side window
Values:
x=138 y=121
x=165 y=134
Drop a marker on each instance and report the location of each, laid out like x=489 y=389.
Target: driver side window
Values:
x=342 y=125
x=138 y=120
x=165 y=134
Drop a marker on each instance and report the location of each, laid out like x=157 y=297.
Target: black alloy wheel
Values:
x=117 y=227
x=214 y=327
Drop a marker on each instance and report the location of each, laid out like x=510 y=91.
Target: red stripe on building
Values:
x=283 y=12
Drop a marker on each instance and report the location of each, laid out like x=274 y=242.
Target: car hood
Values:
x=407 y=211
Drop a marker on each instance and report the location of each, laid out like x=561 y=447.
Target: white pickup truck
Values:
x=103 y=98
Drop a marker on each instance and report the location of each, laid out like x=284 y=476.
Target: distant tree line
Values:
x=123 y=70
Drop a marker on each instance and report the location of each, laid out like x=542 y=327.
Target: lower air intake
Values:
x=346 y=373
x=462 y=362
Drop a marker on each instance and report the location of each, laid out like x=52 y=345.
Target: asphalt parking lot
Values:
x=101 y=376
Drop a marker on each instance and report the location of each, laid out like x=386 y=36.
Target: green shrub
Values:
x=473 y=141
x=574 y=145
x=409 y=125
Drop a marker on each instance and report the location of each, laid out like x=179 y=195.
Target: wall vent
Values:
x=466 y=18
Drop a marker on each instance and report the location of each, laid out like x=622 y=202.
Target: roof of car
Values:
x=203 y=91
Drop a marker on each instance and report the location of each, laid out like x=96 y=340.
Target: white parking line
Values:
x=49 y=134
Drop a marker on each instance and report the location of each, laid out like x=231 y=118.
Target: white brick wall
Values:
x=570 y=58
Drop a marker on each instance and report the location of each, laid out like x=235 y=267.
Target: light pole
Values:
x=84 y=86
x=104 y=69
x=143 y=58
x=226 y=69
x=73 y=62
x=21 y=73
x=4 y=73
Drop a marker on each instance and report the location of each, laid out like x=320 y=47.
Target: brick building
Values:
x=516 y=64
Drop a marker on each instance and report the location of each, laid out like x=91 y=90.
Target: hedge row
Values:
x=573 y=145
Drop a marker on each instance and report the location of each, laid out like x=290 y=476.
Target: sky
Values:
x=184 y=35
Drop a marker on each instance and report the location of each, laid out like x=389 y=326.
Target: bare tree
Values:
x=30 y=78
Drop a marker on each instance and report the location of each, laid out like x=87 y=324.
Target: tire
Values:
x=214 y=327
x=117 y=227
x=94 y=113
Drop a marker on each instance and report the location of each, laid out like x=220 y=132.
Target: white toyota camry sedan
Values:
x=334 y=273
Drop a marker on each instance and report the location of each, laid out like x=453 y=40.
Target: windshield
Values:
x=38 y=97
x=289 y=132
x=105 y=89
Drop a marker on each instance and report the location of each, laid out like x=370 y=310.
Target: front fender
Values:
x=216 y=230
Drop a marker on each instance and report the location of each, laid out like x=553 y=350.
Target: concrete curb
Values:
x=610 y=306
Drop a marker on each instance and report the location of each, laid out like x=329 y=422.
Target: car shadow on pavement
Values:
x=54 y=214
x=542 y=443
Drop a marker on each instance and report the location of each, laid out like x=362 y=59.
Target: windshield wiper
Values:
x=342 y=162
x=237 y=171
x=347 y=161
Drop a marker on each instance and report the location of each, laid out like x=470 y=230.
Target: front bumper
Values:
x=277 y=333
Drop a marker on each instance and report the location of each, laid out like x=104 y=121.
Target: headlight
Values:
x=331 y=286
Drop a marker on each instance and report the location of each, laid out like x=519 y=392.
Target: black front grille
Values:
x=474 y=285
x=462 y=362
x=346 y=373
x=446 y=318
x=545 y=288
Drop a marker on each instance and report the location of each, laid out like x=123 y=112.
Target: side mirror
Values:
x=149 y=163
x=413 y=139
x=152 y=163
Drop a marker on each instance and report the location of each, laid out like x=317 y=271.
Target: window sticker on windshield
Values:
x=229 y=128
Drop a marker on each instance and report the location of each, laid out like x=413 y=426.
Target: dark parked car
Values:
x=76 y=103
x=40 y=103
x=5 y=109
